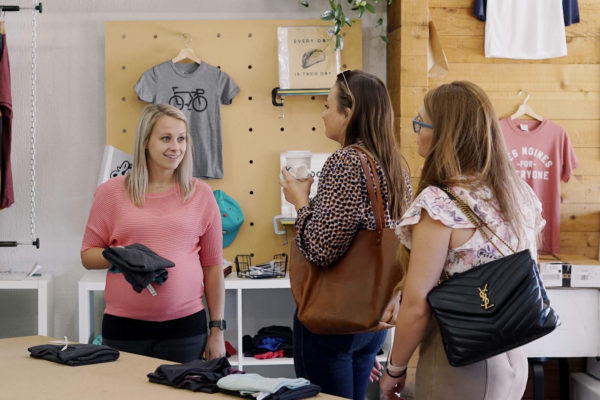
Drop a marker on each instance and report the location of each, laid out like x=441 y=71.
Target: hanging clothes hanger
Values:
x=187 y=53
x=2 y=31
x=525 y=109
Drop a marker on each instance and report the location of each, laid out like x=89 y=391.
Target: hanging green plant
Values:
x=338 y=18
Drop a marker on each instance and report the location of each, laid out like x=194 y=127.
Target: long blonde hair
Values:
x=467 y=142
x=372 y=122
x=136 y=183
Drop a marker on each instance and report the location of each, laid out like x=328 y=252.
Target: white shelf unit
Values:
x=40 y=285
x=237 y=319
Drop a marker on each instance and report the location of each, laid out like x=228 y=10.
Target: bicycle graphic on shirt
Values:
x=196 y=100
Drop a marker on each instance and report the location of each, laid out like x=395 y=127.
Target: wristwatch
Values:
x=221 y=324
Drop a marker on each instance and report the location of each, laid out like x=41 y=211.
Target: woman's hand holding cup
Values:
x=296 y=177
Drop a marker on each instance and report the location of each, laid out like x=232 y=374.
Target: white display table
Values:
x=39 y=284
x=95 y=281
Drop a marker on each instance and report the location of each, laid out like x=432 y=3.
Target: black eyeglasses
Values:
x=342 y=75
x=418 y=123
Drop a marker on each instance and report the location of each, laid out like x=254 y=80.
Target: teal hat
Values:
x=231 y=216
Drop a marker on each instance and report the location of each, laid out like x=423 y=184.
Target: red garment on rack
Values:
x=6 y=183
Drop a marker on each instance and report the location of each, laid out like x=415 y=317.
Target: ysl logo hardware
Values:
x=484 y=298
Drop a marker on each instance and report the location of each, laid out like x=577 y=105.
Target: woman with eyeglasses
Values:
x=460 y=138
x=358 y=111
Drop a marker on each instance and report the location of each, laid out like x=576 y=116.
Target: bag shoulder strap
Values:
x=474 y=218
x=374 y=195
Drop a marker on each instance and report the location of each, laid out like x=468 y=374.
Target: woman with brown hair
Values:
x=464 y=149
x=358 y=112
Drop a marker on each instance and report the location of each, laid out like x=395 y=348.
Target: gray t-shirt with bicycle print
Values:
x=198 y=90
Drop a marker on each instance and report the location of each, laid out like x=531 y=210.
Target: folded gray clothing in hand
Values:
x=75 y=354
x=139 y=265
x=196 y=375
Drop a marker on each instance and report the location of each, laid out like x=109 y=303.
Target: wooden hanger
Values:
x=525 y=109
x=187 y=53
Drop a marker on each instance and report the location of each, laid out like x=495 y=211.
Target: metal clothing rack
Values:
x=35 y=241
x=4 y=8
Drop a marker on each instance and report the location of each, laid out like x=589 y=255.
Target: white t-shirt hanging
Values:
x=525 y=29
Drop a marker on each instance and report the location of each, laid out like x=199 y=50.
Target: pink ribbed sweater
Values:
x=189 y=234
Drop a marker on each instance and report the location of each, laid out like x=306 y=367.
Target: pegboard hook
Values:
x=188 y=39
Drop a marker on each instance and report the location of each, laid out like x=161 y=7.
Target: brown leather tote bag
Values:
x=359 y=292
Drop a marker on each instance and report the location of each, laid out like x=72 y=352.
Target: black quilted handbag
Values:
x=493 y=307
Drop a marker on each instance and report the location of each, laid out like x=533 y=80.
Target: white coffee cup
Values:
x=297 y=163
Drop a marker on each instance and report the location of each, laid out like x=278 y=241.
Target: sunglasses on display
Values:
x=418 y=123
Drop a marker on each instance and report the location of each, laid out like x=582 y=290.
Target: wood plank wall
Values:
x=565 y=90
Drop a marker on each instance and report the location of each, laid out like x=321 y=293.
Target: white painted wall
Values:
x=71 y=128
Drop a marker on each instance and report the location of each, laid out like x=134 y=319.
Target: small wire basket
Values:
x=276 y=268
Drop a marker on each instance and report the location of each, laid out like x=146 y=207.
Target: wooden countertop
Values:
x=24 y=377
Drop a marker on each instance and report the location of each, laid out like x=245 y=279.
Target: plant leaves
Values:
x=361 y=11
x=327 y=15
x=305 y=3
x=385 y=38
x=370 y=8
x=347 y=21
x=337 y=29
x=339 y=13
x=379 y=22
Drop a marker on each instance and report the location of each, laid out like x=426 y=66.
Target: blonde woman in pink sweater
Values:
x=160 y=205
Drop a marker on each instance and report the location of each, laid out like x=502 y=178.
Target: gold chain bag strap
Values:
x=493 y=307
x=358 y=292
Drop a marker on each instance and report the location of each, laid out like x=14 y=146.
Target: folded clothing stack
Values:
x=139 y=265
x=197 y=375
x=270 y=342
x=75 y=354
x=257 y=386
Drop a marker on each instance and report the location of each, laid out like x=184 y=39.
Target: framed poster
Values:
x=307 y=59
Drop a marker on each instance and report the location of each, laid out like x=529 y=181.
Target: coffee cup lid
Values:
x=298 y=154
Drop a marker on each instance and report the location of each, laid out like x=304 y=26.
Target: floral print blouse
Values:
x=477 y=250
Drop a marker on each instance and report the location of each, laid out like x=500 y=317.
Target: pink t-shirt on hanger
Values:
x=542 y=154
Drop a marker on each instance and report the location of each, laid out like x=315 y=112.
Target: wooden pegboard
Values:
x=253 y=131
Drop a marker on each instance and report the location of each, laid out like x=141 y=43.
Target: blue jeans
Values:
x=340 y=364
x=179 y=350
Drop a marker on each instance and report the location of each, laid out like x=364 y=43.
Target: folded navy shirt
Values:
x=197 y=375
x=302 y=392
x=140 y=265
x=75 y=354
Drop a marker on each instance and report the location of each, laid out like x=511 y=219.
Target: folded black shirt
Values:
x=197 y=375
x=139 y=264
x=301 y=392
x=75 y=354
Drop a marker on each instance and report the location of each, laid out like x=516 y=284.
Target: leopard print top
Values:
x=325 y=229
